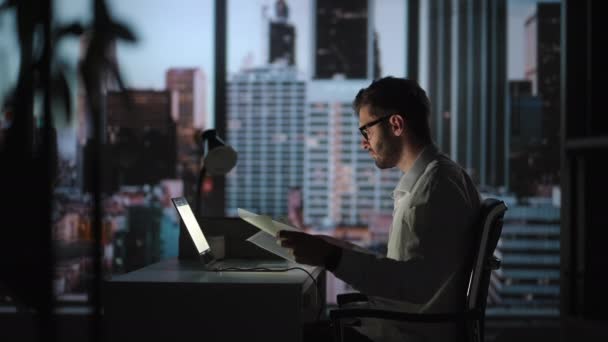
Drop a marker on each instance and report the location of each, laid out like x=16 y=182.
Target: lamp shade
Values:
x=219 y=158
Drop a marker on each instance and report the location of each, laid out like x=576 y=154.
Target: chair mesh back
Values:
x=489 y=230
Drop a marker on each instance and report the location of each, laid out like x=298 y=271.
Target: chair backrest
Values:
x=489 y=228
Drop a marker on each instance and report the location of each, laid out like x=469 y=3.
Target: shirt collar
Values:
x=407 y=181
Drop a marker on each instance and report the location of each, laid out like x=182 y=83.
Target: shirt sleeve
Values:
x=441 y=218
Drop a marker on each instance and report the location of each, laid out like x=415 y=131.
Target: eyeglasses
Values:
x=363 y=129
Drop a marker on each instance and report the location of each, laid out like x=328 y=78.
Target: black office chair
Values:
x=484 y=261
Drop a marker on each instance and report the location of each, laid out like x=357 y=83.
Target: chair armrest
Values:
x=346 y=298
x=336 y=315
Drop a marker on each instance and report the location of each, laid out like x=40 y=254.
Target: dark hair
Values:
x=391 y=95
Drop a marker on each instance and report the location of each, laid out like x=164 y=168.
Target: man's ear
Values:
x=397 y=124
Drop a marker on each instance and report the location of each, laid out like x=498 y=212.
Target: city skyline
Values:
x=306 y=136
x=139 y=71
x=195 y=29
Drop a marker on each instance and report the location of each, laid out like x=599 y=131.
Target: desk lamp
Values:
x=217 y=159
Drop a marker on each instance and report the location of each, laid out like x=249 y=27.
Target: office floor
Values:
x=75 y=328
x=506 y=330
x=522 y=331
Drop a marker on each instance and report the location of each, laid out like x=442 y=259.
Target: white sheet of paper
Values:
x=266 y=238
x=264 y=222
x=269 y=243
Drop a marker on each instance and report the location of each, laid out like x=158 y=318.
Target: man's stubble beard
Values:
x=388 y=150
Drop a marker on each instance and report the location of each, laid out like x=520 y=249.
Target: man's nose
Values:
x=365 y=144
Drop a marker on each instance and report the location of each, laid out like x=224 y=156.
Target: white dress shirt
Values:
x=436 y=205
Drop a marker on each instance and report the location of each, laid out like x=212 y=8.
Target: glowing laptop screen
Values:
x=185 y=212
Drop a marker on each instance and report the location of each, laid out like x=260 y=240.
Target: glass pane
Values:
x=530 y=245
x=294 y=68
x=491 y=69
x=149 y=152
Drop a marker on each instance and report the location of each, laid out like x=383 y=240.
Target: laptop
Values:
x=204 y=250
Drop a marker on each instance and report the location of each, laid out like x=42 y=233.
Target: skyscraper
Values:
x=281 y=47
x=142 y=139
x=282 y=43
x=467 y=84
x=525 y=134
x=341 y=183
x=518 y=88
x=265 y=111
x=84 y=128
x=529 y=249
x=343 y=40
x=266 y=127
x=189 y=86
x=543 y=51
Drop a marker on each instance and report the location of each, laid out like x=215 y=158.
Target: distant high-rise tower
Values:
x=84 y=129
x=543 y=51
x=343 y=40
x=376 y=53
x=526 y=112
x=266 y=126
x=282 y=43
x=189 y=86
x=341 y=183
x=519 y=88
x=524 y=137
x=190 y=83
x=529 y=277
x=281 y=47
x=281 y=10
x=467 y=84
x=141 y=139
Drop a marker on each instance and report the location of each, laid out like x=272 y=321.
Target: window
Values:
x=492 y=70
x=150 y=154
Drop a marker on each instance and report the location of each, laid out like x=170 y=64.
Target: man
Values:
x=431 y=240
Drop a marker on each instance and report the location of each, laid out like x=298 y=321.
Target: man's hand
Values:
x=308 y=249
x=337 y=242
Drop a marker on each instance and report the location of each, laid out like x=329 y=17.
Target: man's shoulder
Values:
x=443 y=167
x=443 y=174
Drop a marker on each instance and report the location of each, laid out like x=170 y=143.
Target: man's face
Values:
x=383 y=146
